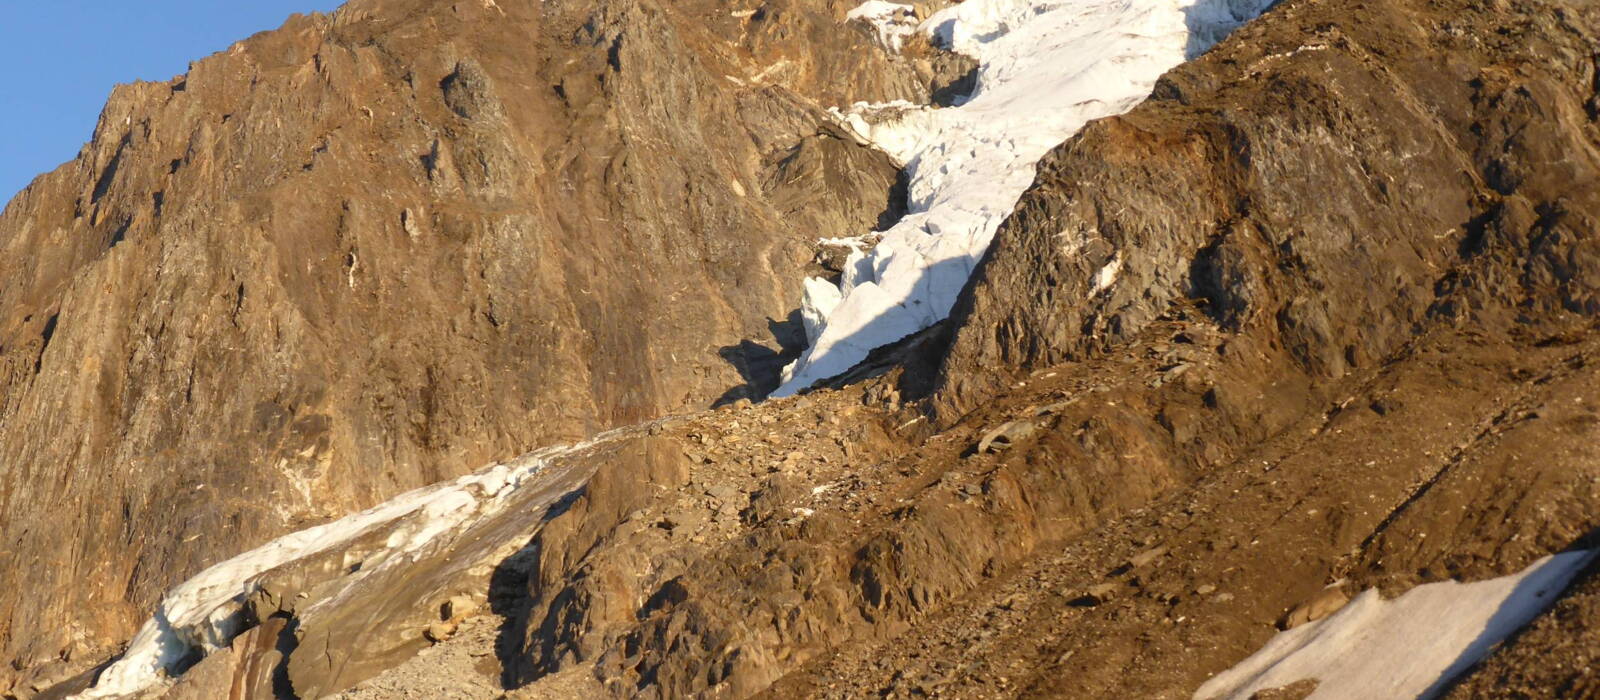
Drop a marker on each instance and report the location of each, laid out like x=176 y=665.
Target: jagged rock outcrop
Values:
x=371 y=250
x=1326 y=185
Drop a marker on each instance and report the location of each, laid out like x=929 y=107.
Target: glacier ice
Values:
x=1046 y=68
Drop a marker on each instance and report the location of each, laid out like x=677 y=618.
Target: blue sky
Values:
x=60 y=58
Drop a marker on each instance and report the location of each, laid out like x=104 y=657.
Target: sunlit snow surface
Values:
x=1408 y=647
x=202 y=613
x=1047 y=67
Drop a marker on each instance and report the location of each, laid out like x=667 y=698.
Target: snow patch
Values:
x=204 y=613
x=1107 y=275
x=897 y=128
x=1402 y=648
x=1046 y=68
x=893 y=21
x=856 y=244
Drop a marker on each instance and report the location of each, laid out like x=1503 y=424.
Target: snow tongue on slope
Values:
x=1409 y=647
x=205 y=613
x=1046 y=68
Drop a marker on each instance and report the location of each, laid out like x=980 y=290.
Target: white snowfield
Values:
x=204 y=613
x=1408 y=647
x=1046 y=68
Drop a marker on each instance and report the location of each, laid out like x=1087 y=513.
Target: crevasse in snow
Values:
x=204 y=613
x=1046 y=67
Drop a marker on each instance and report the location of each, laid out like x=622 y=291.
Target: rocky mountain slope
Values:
x=1317 y=318
x=369 y=251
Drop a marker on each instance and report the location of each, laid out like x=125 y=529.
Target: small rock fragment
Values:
x=458 y=608
x=1321 y=605
x=439 y=631
x=1101 y=592
x=1006 y=435
x=1146 y=557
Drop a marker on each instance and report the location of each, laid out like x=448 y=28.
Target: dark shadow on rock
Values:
x=1203 y=34
x=956 y=92
x=510 y=598
x=121 y=232
x=760 y=366
x=46 y=336
x=899 y=196
x=109 y=174
x=288 y=640
x=921 y=376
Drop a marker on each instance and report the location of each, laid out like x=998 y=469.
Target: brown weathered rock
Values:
x=1344 y=206
x=371 y=250
x=439 y=631
x=458 y=608
x=1310 y=224
x=1325 y=216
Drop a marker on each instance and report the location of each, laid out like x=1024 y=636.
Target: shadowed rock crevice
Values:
x=45 y=336
x=761 y=366
x=286 y=643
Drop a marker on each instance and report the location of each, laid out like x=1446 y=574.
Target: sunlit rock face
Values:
x=372 y=250
x=1315 y=317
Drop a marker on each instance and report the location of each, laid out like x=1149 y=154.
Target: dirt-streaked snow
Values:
x=893 y=21
x=203 y=613
x=1047 y=67
x=1408 y=647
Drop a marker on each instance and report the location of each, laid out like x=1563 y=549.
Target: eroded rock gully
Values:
x=1347 y=336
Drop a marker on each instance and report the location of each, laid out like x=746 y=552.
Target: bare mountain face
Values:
x=1318 y=317
x=372 y=250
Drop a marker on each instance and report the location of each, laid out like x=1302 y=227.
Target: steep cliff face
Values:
x=371 y=250
x=1327 y=186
